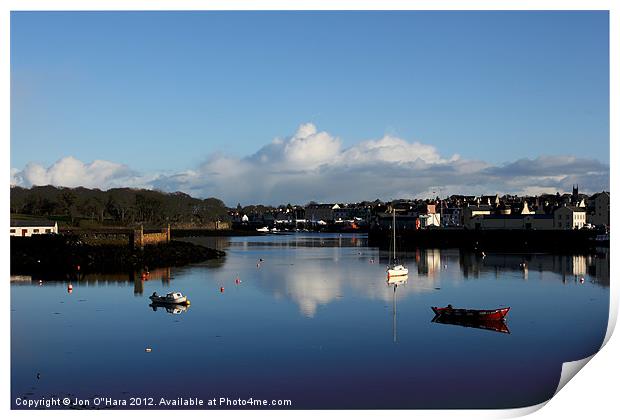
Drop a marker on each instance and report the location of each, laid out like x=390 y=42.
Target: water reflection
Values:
x=169 y=308
x=497 y=326
x=394 y=283
x=312 y=278
x=317 y=323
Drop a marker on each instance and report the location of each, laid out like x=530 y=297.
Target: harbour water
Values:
x=315 y=323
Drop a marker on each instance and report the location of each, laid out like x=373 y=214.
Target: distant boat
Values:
x=478 y=314
x=173 y=298
x=395 y=270
x=263 y=229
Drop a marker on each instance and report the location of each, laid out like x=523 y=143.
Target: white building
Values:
x=569 y=217
x=32 y=227
x=431 y=219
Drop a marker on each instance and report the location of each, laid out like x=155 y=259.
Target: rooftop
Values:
x=32 y=223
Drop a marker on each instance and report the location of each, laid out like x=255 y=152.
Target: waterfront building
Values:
x=33 y=227
x=428 y=220
x=599 y=211
x=316 y=212
x=513 y=222
x=470 y=213
x=569 y=217
x=451 y=217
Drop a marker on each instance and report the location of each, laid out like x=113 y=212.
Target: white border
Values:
x=592 y=394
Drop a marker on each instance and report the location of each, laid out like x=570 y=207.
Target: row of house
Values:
x=546 y=211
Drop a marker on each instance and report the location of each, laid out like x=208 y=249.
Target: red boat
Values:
x=484 y=314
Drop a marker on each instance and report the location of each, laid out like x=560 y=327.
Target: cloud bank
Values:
x=313 y=165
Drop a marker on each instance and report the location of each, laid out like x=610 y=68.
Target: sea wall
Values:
x=63 y=254
x=496 y=239
x=141 y=238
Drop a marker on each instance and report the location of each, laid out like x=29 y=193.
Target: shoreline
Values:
x=491 y=240
x=68 y=255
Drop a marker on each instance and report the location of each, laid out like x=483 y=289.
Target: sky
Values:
x=278 y=107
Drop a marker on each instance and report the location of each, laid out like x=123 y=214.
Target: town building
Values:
x=316 y=212
x=470 y=212
x=599 y=212
x=569 y=217
x=513 y=221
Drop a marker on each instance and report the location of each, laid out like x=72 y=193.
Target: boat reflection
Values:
x=395 y=282
x=170 y=308
x=491 y=325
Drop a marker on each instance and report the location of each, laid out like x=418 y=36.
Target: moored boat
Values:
x=397 y=271
x=394 y=269
x=173 y=298
x=486 y=314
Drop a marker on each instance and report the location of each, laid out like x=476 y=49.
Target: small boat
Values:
x=263 y=229
x=486 y=314
x=395 y=270
x=173 y=298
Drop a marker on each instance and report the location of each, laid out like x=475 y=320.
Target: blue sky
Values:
x=164 y=95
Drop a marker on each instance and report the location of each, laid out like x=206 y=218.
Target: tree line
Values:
x=116 y=206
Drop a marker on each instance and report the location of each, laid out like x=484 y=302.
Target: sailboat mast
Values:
x=394 y=231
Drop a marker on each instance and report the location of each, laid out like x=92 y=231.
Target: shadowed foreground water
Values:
x=315 y=323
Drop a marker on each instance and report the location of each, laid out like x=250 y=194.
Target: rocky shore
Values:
x=61 y=254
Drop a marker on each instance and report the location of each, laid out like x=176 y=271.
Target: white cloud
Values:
x=71 y=172
x=313 y=165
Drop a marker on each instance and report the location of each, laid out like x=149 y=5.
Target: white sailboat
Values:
x=395 y=270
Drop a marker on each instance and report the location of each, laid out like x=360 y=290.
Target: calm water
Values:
x=315 y=323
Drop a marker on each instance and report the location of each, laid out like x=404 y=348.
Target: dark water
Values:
x=315 y=323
